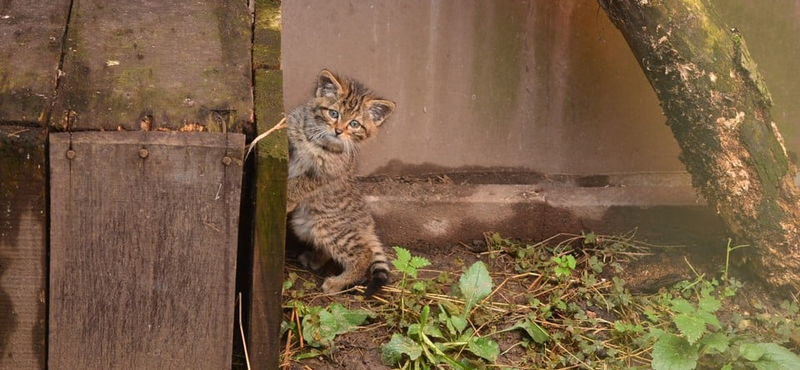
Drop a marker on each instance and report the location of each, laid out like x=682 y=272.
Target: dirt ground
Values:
x=662 y=267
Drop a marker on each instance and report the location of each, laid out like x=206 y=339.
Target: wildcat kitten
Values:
x=329 y=211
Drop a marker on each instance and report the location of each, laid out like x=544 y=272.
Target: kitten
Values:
x=329 y=211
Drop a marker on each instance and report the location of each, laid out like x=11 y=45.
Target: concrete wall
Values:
x=544 y=86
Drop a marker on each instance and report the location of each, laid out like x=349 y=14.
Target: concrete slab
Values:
x=664 y=209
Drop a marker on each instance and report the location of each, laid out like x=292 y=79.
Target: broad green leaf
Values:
x=671 y=352
x=690 y=326
x=399 y=345
x=433 y=331
x=349 y=318
x=484 y=348
x=715 y=342
x=682 y=306
x=709 y=304
x=458 y=323
x=769 y=356
x=320 y=325
x=709 y=319
x=535 y=331
x=475 y=285
x=320 y=329
x=751 y=351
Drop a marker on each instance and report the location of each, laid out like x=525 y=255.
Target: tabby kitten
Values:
x=329 y=211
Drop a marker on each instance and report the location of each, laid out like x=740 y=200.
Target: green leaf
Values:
x=709 y=304
x=399 y=345
x=484 y=348
x=709 y=319
x=671 y=352
x=419 y=262
x=691 y=327
x=458 y=323
x=407 y=264
x=535 y=331
x=682 y=306
x=403 y=256
x=769 y=356
x=320 y=325
x=589 y=238
x=751 y=351
x=475 y=284
x=715 y=342
x=349 y=318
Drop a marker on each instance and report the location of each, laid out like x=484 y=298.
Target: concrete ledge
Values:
x=437 y=210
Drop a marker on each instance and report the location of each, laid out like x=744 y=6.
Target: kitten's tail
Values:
x=378 y=269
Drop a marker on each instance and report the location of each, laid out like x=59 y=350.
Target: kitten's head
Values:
x=345 y=113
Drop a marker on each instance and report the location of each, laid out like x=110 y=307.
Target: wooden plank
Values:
x=143 y=249
x=270 y=226
x=267 y=35
x=30 y=51
x=23 y=252
x=177 y=62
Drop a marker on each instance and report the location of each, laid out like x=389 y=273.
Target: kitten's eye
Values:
x=354 y=124
x=333 y=113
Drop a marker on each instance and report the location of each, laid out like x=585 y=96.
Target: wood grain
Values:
x=270 y=224
x=23 y=248
x=143 y=249
x=30 y=50
x=175 y=62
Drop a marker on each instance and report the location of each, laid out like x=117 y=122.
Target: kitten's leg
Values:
x=354 y=260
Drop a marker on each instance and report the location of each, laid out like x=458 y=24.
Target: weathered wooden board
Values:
x=143 y=249
x=267 y=35
x=270 y=225
x=178 y=62
x=23 y=248
x=30 y=50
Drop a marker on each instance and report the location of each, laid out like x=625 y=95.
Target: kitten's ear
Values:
x=379 y=110
x=328 y=85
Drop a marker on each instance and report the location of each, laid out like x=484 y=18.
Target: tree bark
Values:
x=718 y=108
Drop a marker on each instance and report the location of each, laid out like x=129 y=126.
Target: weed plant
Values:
x=556 y=304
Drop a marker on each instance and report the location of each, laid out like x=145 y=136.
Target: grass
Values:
x=556 y=304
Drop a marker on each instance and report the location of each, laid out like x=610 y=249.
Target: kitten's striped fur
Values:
x=329 y=211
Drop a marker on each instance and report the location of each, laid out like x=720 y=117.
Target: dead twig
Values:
x=278 y=126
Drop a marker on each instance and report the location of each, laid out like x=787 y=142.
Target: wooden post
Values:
x=270 y=214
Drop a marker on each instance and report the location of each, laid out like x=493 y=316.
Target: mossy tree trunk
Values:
x=718 y=108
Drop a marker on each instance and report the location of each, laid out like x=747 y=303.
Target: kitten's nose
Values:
x=338 y=131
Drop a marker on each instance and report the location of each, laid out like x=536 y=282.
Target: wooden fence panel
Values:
x=23 y=252
x=30 y=50
x=172 y=63
x=143 y=249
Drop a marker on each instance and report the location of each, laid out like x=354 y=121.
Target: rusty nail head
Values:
x=143 y=153
x=226 y=160
x=70 y=154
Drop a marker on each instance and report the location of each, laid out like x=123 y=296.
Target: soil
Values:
x=661 y=268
